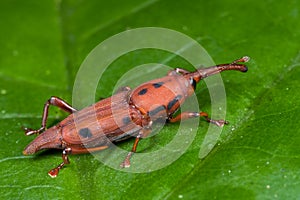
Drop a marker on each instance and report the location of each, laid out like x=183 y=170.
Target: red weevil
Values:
x=128 y=113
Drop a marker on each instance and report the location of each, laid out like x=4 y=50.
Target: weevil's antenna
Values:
x=243 y=59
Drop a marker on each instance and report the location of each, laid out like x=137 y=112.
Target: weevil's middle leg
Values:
x=54 y=172
x=54 y=101
x=187 y=115
x=143 y=133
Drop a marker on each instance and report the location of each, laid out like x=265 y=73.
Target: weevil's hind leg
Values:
x=143 y=133
x=54 y=172
x=187 y=115
x=54 y=101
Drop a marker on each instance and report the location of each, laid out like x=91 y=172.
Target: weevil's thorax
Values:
x=161 y=97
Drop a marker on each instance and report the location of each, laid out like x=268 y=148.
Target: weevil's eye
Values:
x=193 y=83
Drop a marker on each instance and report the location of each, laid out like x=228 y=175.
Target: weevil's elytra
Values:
x=128 y=113
x=126 y=120
x=85 y=133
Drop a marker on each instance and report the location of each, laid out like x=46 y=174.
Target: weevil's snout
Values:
x=240 y=67
x=235 y=65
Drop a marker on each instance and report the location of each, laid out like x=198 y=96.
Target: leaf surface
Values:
x=43 y=44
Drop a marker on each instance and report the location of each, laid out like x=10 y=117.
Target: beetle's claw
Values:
x=219 y=123
x=126 y=162
x=29 y=131
x=53 y=172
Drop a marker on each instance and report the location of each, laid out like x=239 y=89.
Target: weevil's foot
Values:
x=219 y=123
x=53 y=172
x=126 y=162
x=29 y=131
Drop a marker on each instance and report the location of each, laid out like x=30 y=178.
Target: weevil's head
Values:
x=51 y=138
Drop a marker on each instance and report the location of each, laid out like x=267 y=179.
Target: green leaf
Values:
x=43 y=44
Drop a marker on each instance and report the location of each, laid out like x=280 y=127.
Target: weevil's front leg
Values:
x=54 y=101
x=178 y=71
x=143 y=133
x=123 y=89
x=54 y=172
x=187 y=115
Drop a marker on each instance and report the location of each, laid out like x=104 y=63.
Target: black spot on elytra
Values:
x=126 y=120
x=156 y=110
x=157 y=85
x=174 y=101
x=85 y=133
x=143 y=91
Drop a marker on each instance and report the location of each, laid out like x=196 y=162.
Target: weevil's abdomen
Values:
x=49 y=139
x=109 y=120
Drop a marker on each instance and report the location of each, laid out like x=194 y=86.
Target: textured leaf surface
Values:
x=43 y=44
